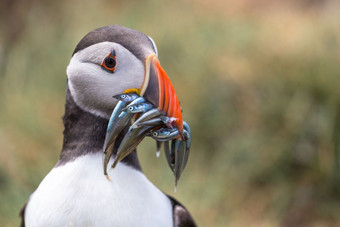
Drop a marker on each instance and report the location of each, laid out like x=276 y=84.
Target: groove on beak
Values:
x=158 y=89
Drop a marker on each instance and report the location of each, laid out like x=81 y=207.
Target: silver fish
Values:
x=152 y=122
x=131 y=139
x=118 y=120
x=128 y=97
x=169 y=155
x=138 y=108
x=170 y=122
x=187 y=137
x=146 y=116
x=179 y=159
x=165 y=134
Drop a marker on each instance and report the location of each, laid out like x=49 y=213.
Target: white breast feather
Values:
x=78 y=194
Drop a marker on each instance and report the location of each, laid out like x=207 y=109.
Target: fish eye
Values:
x=123 y=96
x=155 y=133
x=130 y=108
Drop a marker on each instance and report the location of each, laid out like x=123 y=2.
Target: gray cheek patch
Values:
x=92 y=87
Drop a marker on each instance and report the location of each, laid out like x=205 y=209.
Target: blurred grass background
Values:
x=258 y=81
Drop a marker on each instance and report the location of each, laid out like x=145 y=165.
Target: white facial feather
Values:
x=78 y=194
x=92 y=87
x=154 y=45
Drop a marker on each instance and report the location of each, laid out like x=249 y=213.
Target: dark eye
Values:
x=109 y=63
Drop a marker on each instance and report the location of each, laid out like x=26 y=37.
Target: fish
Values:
x=119 y=119
x=165 y=134
x=179 y=159
x=130 y=141
x=126 y=97
x=152 y=122
x=169 y=155
x=138 y=108
x=146 y=120
x=170 y=122
x=149 y=115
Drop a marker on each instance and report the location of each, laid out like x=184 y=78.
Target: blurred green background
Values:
x=258 y=80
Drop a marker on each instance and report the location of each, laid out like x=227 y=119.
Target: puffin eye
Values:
x=109 y=63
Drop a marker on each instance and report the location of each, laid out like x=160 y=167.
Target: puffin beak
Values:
x=158 y=90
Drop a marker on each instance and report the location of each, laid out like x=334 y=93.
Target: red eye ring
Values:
x=109 y=63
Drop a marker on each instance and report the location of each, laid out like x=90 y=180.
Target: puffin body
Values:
x=106 y=62
x=86 y=198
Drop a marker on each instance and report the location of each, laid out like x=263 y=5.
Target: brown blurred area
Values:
x=258 y=82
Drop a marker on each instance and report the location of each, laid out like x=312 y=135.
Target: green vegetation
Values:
x=259 y=85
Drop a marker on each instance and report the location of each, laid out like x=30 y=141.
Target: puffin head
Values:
x=112 y=60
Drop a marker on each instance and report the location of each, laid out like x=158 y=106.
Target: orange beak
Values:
x=158 y=90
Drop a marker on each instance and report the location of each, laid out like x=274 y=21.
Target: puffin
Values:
x=106 y=62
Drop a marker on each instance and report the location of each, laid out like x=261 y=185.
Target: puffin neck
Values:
x=84 y=133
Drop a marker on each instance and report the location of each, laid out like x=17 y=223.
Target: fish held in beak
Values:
x=152 y=110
